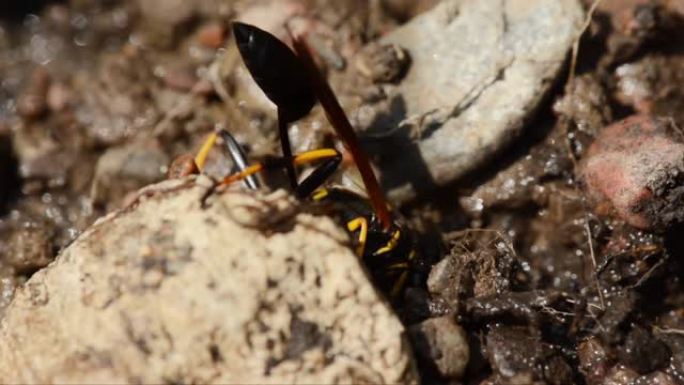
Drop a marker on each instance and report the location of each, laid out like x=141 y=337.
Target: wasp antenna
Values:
x=343 y=128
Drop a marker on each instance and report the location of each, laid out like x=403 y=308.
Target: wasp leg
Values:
x=361 y=224
x=390 y=245
x=398 y=266
x=318 y=176
x=201 y=157
x=286 y=148
x=304 y=158
x=238 y=156
x=401 y=281
x=399 y=284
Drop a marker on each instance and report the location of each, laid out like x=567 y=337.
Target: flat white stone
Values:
x=480 y=69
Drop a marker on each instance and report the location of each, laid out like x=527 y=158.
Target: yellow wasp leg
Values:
x=242 y=174
x=398 y=266
x=390 y=245
x=299 y=159
x=399 y=285
x=319 y=194
x=314 y=155
x=201 y=157
x=401 y=281
x=362 y=224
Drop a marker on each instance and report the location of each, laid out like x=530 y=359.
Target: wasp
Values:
x=292 y=81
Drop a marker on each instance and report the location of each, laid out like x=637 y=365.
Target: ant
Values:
x=292 y=81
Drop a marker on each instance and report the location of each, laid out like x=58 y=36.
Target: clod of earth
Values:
x=518 y=356
x=479 y=71
x=248 y=289
x=636 y=168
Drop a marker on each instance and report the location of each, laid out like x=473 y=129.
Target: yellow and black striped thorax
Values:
x=388 y=254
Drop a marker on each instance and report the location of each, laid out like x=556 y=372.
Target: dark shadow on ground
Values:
x=10 y=184
x=16 y=10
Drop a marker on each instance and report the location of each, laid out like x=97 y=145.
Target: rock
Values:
x=479 y=69
x=637 y=24
x=531 y=180
x=115 y=103
x=126 y=168
x=59 y=97
x=636 y=167
x=653 y=86
x=8 y=284
x=383 y=63
x=518 y=357
x=656 y=378
x=180 y=78
x=169 y=12
x=40 y=157
x=32 y=103
x=442 y=343
x=245 y=290
x=642 y=352
x=28 y=249
x=670 y=323
x=211 y=35
x=593 y=360
x=182 y=166
x=584 y=109
x=619 y=375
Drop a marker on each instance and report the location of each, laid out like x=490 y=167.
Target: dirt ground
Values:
x=98 y=97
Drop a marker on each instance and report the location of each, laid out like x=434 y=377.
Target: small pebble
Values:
x=182 y=166
x=642 y=352
x=656 y=378
x=59 y=96
x=32 y=103
x=29 y=249
x=171 y=12
x=443 y=343
x=593 y=360
x=386 y=63
x=180 y=79
x=620 y=375
x=211 y=35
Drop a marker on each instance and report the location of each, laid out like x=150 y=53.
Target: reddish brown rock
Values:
x=635 y=169
x=211 y=35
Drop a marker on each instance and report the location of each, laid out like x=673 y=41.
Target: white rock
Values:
x=479 y=70
x=247 y=290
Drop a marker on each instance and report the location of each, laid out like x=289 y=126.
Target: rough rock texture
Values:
x=479 y=70
x=126 y=168
x=443 y=342
x=635 y=167
x=247 y=290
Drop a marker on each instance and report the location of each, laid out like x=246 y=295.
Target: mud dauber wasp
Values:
x=292 y=81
